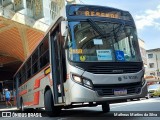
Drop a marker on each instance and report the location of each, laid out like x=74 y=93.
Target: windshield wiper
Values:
x=96 y=27
x=120 y=28
x=102 y=33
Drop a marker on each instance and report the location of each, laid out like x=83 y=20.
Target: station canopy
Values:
x=17 y=41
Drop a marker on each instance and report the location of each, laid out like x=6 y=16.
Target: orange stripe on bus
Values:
x=35 y=101
x=36 y=98
x=22 y=92
x=37 y=82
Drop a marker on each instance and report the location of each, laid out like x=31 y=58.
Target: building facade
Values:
x=153 y=62
x=38 y=14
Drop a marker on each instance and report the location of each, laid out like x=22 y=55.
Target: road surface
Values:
x=118 y=111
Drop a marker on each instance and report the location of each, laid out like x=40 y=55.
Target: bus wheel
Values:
x=105 y=107
x=50 y=109
x=21 y=105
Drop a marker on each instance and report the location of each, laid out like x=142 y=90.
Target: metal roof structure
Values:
x=23 y=24
x=17 y=41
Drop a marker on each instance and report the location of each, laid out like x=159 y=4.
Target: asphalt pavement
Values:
x=144 y=109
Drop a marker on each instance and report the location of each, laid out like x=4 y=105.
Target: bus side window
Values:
x=44 y=53
x=19 y=78
x=28 y=68
x=23 y=74
x=35 y=62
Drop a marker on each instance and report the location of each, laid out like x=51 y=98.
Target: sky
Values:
x=146 y=14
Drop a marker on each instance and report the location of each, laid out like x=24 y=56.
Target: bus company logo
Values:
x=6 y=114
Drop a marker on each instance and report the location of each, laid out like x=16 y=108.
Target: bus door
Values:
x=57 y=67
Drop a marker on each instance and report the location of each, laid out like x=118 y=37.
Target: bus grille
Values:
x=116 y=68
x=108 y=90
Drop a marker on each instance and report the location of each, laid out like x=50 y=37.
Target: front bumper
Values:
x=80 y=94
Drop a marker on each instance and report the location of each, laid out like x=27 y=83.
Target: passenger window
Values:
x=28 y=68
x=19 y=78
x=35 y=62
x=44 y=53
x=23 y=74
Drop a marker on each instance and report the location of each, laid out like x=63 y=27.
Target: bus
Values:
x=90 y=56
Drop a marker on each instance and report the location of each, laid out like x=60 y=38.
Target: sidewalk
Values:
x=4 y=108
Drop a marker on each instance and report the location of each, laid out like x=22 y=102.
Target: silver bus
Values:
x=90 y=56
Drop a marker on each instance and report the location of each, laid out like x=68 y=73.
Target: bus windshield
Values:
x=103 y=41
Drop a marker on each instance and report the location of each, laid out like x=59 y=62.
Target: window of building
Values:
x=151 y=65
x=150 y=55
x=54 y=9
x=152 y=73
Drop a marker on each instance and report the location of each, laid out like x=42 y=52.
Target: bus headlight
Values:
x=77 y=78
x=83 y=81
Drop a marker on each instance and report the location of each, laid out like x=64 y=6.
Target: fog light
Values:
x=87 y=83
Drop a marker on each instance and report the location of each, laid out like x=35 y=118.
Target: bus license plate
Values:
x=120 y=92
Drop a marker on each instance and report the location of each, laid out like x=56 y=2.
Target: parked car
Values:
x=154 y=90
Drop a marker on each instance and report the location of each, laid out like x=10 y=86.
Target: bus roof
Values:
x=96 y=6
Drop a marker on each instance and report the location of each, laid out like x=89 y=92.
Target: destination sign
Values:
x=99 y=14
x=98 y=11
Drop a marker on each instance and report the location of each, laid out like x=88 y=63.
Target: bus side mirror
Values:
x=64 y=28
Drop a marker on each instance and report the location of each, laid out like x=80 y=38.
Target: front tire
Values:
x=50 y=109
x=105 y=107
